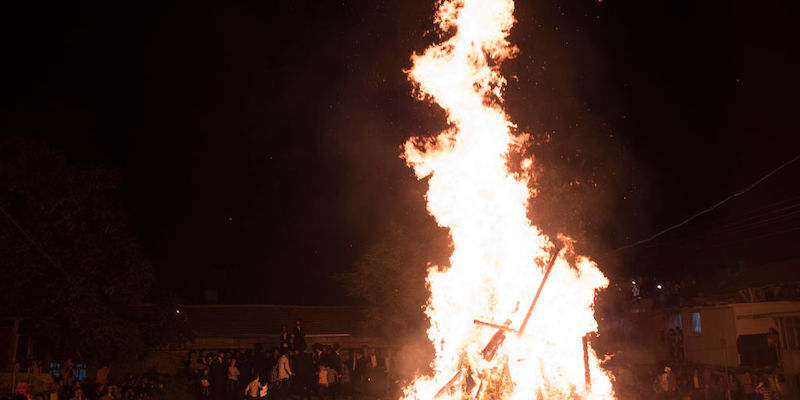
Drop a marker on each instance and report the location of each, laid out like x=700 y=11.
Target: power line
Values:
x=778 y=219
x=749 y=220
x=709 y=209
x=749 y=223
x=788 y=210
x=781 y=203
x=751 y=238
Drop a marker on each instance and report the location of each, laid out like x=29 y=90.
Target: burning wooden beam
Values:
x=497 y=339
x=480 y=391
x=447 y=385
x=587 y=372
x=550 y=264
x=496 y=326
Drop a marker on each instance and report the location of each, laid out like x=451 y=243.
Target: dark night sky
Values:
x=258 y=142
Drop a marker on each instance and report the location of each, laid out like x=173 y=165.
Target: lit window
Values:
x=696 y=327
x=80 y=371
x=55 y=369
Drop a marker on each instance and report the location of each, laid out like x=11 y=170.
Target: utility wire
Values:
x=763 y=223
x=762 y=236
x=767 y=216
x=755 y=219
x=709 y=209
x=720 y=240
x=768 y=208
x=749 y=223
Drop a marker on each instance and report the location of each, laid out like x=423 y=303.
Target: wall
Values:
x=248 y=342
x=172 y=361
x=654 y=326
x=790 y=361
x=757 y=318
x=727 y=322
x=715 y=344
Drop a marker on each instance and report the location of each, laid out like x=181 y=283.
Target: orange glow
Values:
x=498 y=258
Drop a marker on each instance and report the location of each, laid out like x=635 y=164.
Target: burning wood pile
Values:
x=498 y=254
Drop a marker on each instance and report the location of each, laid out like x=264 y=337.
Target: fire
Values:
x=499 y=257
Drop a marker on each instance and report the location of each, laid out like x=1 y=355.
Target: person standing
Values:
x=106 y=394
x=303 y=366
x=763 y=390
x=298 y=336
x=102 y=375
x=195 y=364
x=285 y=339
x=264 y=391
x=67 y=373
x=254 y=388
x=205 y=384
x=697 y=383
x=360 y=371
x=272 y=371
x=233 y=377
x=284 y=372
x=218 y=374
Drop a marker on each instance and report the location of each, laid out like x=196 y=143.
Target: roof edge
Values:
x=261 y=306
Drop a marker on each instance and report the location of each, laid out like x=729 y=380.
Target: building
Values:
x=248 y=327
x=230 y=327
x=244 y=326
x=743 y=334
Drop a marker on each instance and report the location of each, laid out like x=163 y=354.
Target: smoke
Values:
x=561 y=93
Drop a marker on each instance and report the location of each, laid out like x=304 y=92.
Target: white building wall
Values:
x=721 y=325
x=758 y=318
x=715 y=343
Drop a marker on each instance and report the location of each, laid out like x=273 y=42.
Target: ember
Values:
x=499 y=258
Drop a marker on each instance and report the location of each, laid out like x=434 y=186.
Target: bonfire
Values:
x=511 y=313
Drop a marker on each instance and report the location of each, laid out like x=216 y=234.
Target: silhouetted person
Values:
x=233 y=377
x=205 y=384
x=298 y=336
x=304 y=369
x=219 y=374
x=285 y=340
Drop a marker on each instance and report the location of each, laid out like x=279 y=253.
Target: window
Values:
x=696 y=327
x=80 y=371
x=55 y=369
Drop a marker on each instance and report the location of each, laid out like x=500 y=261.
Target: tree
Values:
x=390 y=277
x=71 y=267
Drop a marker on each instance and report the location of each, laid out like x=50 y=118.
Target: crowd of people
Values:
x=291 y=368
x=685 y=381
x=67 y=380
x=648 y=292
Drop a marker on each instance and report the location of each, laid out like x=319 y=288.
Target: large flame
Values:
x=499 y=257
